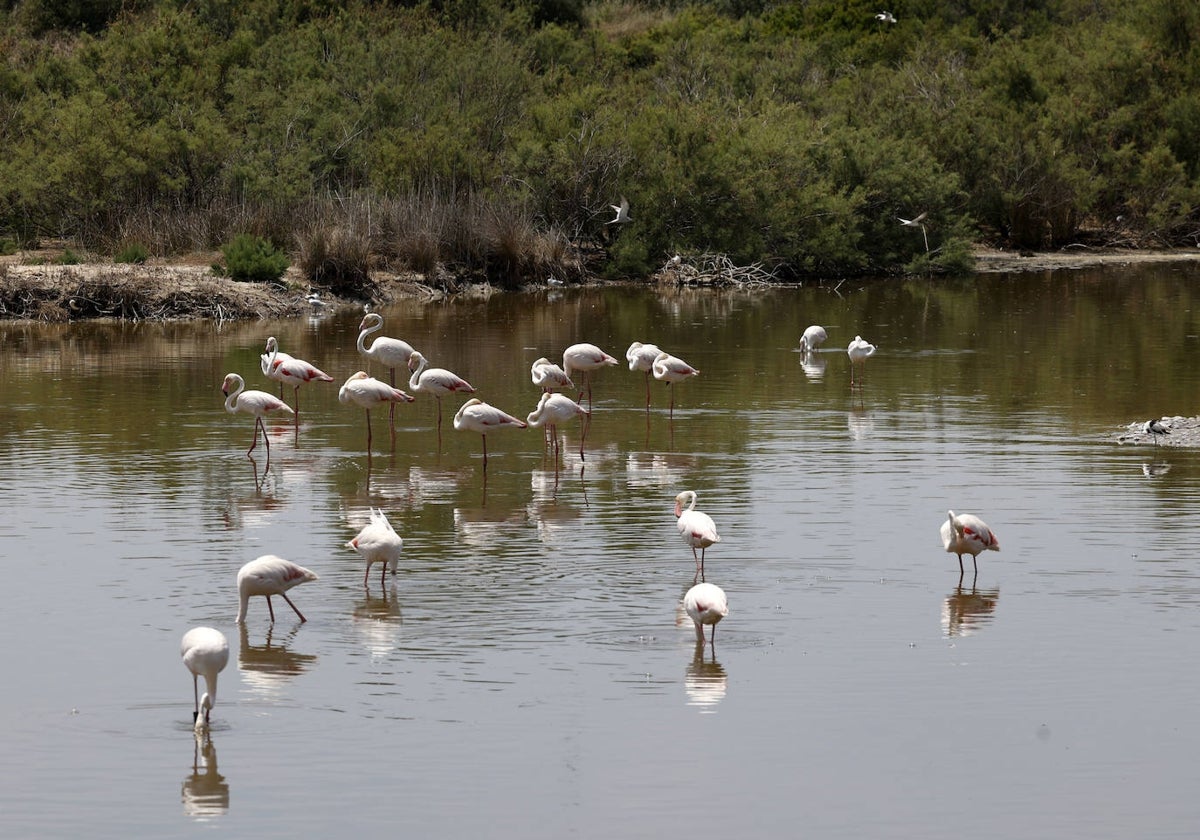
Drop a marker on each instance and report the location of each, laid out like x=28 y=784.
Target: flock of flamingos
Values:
x=205 y=650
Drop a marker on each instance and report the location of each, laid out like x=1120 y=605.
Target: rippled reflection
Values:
x=377 y=621
x=965 y=611
x=705 y=680
x=813 y=365
x=205 y=792
x=269 y=667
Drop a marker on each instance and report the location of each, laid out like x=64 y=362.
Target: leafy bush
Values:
x=68 y=257
x=252 y=259
x=132 y=253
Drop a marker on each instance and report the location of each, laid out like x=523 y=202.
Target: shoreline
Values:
x=34 y=289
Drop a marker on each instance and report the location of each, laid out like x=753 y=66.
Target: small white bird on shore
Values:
x=1154 y=428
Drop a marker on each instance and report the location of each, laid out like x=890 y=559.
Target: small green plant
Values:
x=132 y=253
x=8 y=247
x=253 y=259
x=68 y=257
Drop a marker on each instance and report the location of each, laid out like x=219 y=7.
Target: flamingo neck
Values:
x=362 y=337
x=243 y=601
x=231 y=400
x=414 y=381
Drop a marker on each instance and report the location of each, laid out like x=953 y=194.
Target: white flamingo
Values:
x=859 y=351
x=813 y=338
x=548 y=376
x=205 y=652
x=367 y=393
x=269 y=575
x=389 y=352
x=706 y=603
x=264 y=361
x=967 y=534
x=697 y=529
x=641 y=357
x=553 y=409
x=671 y=369
x=378 y=542
x=585 y=358
x=436 y=382
x=256 y=403
x=293 y=371
x=477 y=416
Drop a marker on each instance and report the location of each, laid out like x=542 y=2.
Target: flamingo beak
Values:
x=678 y=509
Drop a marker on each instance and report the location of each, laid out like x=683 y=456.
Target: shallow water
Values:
x=530 y=672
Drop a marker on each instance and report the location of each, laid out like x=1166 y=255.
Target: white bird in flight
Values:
x=885 y=17
x=622 y=211
x=205 y=652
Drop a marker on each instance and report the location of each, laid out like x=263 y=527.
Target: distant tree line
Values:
x=493 y=135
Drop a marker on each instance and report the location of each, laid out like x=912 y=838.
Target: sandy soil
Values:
x=1182 y=431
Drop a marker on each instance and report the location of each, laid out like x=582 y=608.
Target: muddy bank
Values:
x=1181 y=431
x=34 y=287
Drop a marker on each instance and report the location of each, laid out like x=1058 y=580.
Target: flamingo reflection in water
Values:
x=204 y=791
x=965 y=611
x=269 y=667
x=705 y=680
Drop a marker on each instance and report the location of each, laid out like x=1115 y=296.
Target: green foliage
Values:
x=252 y=259
x=791 y=134
x=68 y=257
x=134 y=252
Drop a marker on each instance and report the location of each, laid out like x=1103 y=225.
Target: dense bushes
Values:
x=493 y=136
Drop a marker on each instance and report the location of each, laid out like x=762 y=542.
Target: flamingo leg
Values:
x=439 y=425
x=383 y=575
x=296 y=403
x=284 y=596
x=365 y=574
x=699 y=633
x=254 y=442
x=368 y=431
x=647 y=391
x=672 y=390
x=392 y=406
x=196 y=697
x=702 y=564
x=484 y=452
x=270 y=609
x=961 y=571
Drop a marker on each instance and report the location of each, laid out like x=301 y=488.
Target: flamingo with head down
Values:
x=859 y=351
x=813 y=338
x=205 y=652
x=378 y=542
x=269 y=575
x=706 y=604
x=967 y=534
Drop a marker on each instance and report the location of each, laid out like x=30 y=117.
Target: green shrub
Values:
x=68 y=257
x=132 y=253
x=7 y=247
x=252 y=259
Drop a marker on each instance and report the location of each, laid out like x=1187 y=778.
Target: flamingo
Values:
x=378 y=542
x=859 y=351
x=477 y=416
x=264 y=361
x=585 y=358
x=389 y=352
x=967 y=534
x=435 y=381
x=553 y=409
x=368 y=392
x=813 y=337
x=548 y=376
x=696 y=528
x=258 y=403
x=1154 y=428
x=205 y=652
x=641 y=357
x=706 y=604
x=670 y=369
x=270 y=575
x=293 y=371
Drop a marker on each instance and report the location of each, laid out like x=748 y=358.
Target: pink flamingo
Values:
x=205 y=652
x=553 y=409
x=435 y=381
x=389 y=352
x=368 y=392
x=859 y=351
x=641 y=357
x=670 y=369
x=548 y=376
x=378 y=542
x=585 y=358
x=967 y=534
x=813 y=338
x=293 y=371
x=477 y=416
x=258 y=403
x=696 y=528
x=264 y=360
x=269 y=575
x=706 y=603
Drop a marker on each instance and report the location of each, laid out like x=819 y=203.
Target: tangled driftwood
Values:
x=714 y=270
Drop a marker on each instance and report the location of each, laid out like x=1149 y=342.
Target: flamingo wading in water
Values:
x=378 y=542
x=813 y=338
x=269 y=575
x=264 y=361
x=967 y=534
x=706 y=603
x=477 y=416
x=548 y=376
x=205 y=652
x=641 y=357
x=585 y=358
x=257 y=403
x=859 y=351
x=435 y=381
x=389 y=352
x=367 y=393
x=553 y=409
x=293 y=371
x=697 y=529
x=671 y=369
